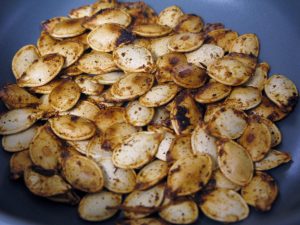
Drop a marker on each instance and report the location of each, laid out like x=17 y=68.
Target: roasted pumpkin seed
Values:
x=18 y=163
x=170 y=16
x=109 y=116
x=138 y=115
x=189 y=23
x=273 y=159
x=247 y=44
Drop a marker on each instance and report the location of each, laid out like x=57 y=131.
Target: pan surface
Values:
x=277 y=24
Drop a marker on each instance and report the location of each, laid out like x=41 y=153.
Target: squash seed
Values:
x=116 y=179
x=45 y=43
x=23 y=59
x=161 y=117
x=246 y=44
x=133 y=58
x=69 y=197
x=80 y=146
x=138 y=115
x=259 y=78
x=181 y=147
x=109 y=78
x=282 y=91
x=109 y=116
x=151 y=174
x=18 y=163
x=117 y=16
x=67 y=27
x=244 y=98
x=224 y=205
x=261 y=192
x=45 y=186
x=96 y=63
x=211 y=92
x=189 y=23
x=273 y=159
x=189 y=75
x=185 y=42
x=47 y=88
x=218 y=180
x=205 y=55
x=227 y=123
x=182 y=211
x=202 y=142
x=15 y=97
x=99 y=206
x=159 y=95
x=106 y=37
x=17 y=120
x=132 y=85
x=189 y=174
x=235 y=162
x=95 y=149
x=170 y=16
x=256 y=139
x=83 y=173
x=142 y=221
x=88 y=85
x=137 y=150
x=274 y=130
x=45 y=149
x=41 y=71
x=72 y=128
x=223 y=38
x=151 y=30
x=165 y=145
x=159 y=46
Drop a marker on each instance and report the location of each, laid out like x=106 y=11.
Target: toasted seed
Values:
x=142 y=221
x=47 y=88
x=282 y=91
x=95 y=149
x=138 y=115
x=159 y=95
x=212 y=92
x=189 y=75
x=71 y=50
x=161 y=117
x=227 y=123
x=45 y=43
x=220 y=181
x=80 y=146
x=69 y=197
x=159 y=46
x=235 y=162
x=160 y=129
x=224 y=205
x=66 y=28
x=45 y=107
x=223 y=37
x=189 y=23
x=259 y=77
x=15 y=97
x=116 y=179
x=103 y=4
x=83 y=173
x=183 y=211
x=151 y=174
x=88 y=85
x=49 y=24
x=72 y=128
x=229 y=71
x=23 y=59
x=41 y=71
x=19 y=161
x=274 y=130
x=248 y=60
x=205 y=55
x=273 y=159
x=244 y=98
x=81 y=12
x=261 y=192
x=117 y=16
x=84 y=109
x=202 y=142
x=81 y=39
x=189 y=174
x=181 y=147
x=256 y=139
x=151 y=30
x=133 y=58
x=116 y=134
x=64 y=96
x=139 y=204
x=99 y=206
x=268 y=109
x=143 y=42
x=109 y=78
x=45 y=186
x=165 y=145
x=184 y=114
x=137 y=150
x=170 y=16
x=165 y=65
x=247 y=44
x=107 y=37
x=109 y=116
x=132 y=85
x=18 y=120
x=96 y=63
x=185 y=42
